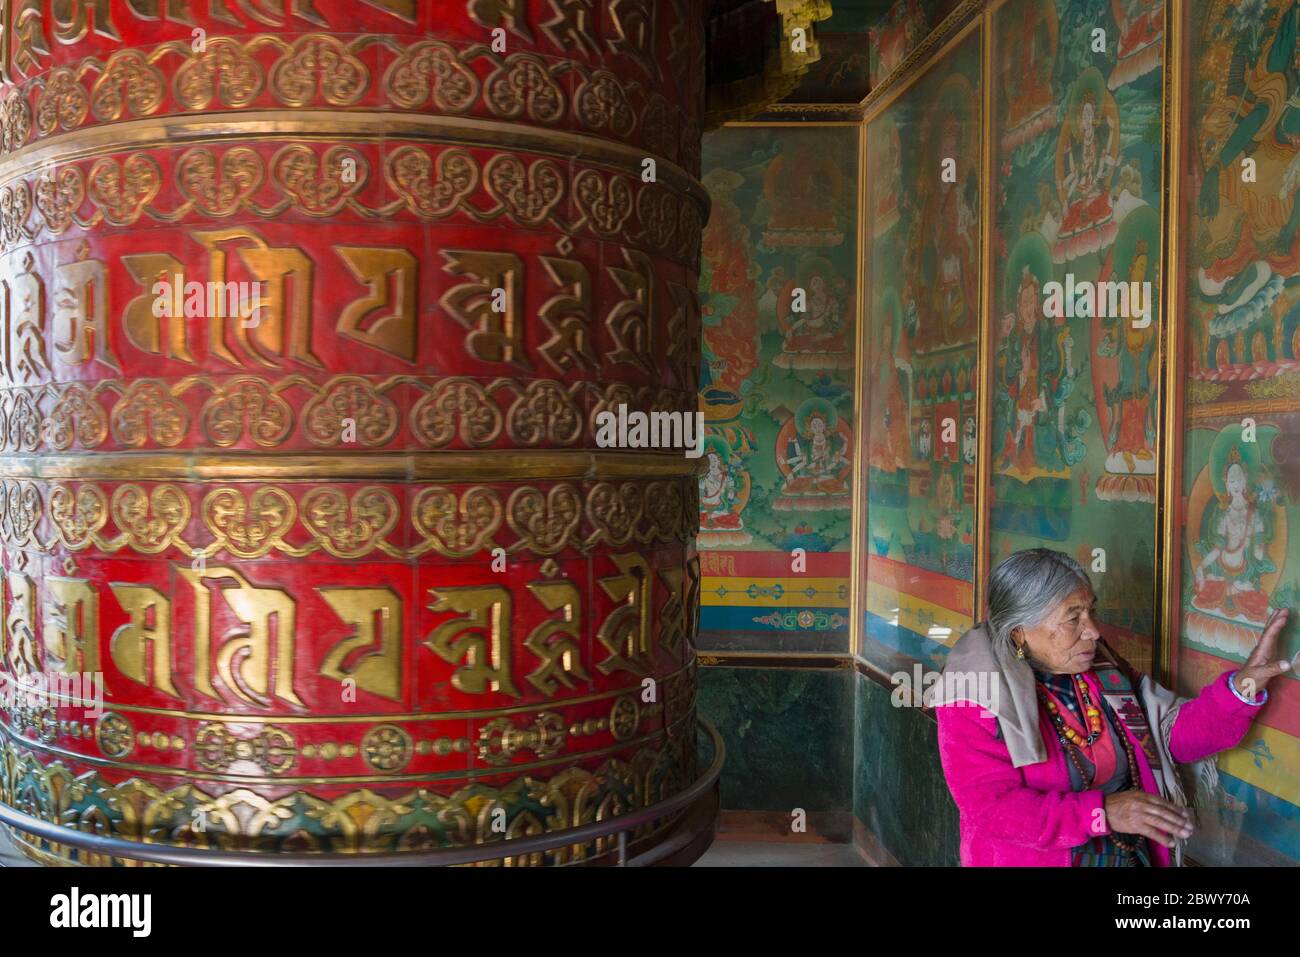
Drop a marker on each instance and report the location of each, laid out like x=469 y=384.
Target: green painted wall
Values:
x=899 y=791
x=831 y=742
x=780 y=726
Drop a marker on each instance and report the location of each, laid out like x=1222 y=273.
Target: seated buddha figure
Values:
x=1233 y=550
x=812 y=454
x=1087 y=154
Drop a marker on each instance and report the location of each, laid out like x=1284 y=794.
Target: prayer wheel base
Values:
x=680 y=844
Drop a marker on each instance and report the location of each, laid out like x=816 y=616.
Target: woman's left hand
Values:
x=1263 y=665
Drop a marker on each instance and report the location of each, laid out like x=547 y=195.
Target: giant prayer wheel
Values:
x=352 y=566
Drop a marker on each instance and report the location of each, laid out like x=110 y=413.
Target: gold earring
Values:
x=1020 y=652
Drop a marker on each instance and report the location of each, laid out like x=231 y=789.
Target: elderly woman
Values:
x=1067 y=757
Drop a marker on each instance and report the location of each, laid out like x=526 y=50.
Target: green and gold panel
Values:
x=778 y=308
x=1075 y=289
x=1240 y=461
x=900 y=30
x=919 y=386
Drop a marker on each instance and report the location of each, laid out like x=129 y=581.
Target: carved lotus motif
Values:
x=454 y=525
x=528 y=195
x=78 y=513
x=219 y=187
x=349 y=528
x=122 y=192
x=320 y=186
x=150 y=520
x=606 y=203
x=614 y=511
x=428 y=193
x=546 y=522
x=248 y=527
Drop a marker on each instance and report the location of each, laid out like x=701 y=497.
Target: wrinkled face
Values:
x=1065 y=641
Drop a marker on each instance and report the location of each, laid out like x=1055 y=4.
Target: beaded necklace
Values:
x=1090 y=711
x=1071 y=741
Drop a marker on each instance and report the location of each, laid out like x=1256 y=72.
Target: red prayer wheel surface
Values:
x=352 y=566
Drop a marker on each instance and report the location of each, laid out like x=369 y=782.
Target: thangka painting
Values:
x=900 y=30
x=923 y=262
x=1075 y=285
x=778 y=302
x=1241 y=412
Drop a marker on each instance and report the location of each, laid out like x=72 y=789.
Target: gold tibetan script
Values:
x=491 y=306
x=22 y=324
x=626 y=633
x=393 y=331
x=149 y=632
x=80 y=330
x=285 y=326
x=19 y=624
x=71 y=617
x=72 y=19
x=567 y=316
x=375 y=645
x=142 y=327
x=557 y=643
x=480 y=638
x=270 y=617
x=632 y=320
x=283 y=329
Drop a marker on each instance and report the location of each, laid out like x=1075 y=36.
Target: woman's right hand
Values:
x=1151 y=816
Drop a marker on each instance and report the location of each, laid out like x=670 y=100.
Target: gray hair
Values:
x=1026 y=586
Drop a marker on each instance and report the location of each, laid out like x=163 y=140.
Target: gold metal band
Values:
x=337 y=126
x=489 y=465
x=664 y=734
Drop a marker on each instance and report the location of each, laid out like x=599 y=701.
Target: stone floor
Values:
x=723 y=853
x=739 y=853
x=9 y=855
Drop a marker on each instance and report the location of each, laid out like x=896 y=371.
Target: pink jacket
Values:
x=1028 y=816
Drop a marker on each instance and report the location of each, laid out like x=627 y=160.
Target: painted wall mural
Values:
x=923 y=262
x=901 y=29
x=1074 y=415
x=1241 y=413
x=1077 y=186
x=778 y=298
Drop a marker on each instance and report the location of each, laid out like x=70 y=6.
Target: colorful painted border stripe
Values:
x=926 y=586
x=776 y=592
x=1283 y=709
x=1264 y=817
x=908 y=642
x=834 y=621
x=924 y=619
x=726 y=564
x=1267 y=759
